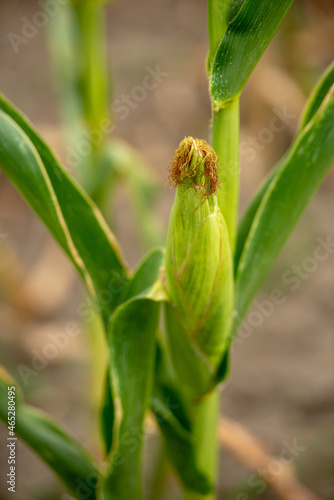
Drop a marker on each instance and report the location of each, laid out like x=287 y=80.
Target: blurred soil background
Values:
x=282 y=374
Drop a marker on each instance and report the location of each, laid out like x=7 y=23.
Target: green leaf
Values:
x=165 y=397
x=312 y=105
x=223 y=369
x=243 y=43
x=132 y=340
x=142 y=282
x=299 y=176
x=107 y=415
x=69 y=214
x=248 y=217
x=145 y=276
x=218 y=13
x=61 y=452
x=317 y=96
x=132 y=344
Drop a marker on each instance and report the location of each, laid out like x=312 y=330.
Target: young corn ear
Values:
x=198 y=278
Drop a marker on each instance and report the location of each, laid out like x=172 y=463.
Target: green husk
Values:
x=198 y=266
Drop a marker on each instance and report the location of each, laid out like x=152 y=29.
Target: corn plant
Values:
x=201 y=284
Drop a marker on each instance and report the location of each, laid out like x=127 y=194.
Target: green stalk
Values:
x=205 y=414
x=225 y=142
x=95 y=76
x=225 y=128
x=94 y=86
x=82 y=70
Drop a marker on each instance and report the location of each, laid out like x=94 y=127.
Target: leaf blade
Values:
x=312 y=105
x=242 y=45
x=67 y=211
x=60 y=451
x=301 y=172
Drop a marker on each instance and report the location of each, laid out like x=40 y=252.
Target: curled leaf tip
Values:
x=195 y=165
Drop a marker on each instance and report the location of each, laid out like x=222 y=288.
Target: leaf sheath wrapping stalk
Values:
x=132 y=332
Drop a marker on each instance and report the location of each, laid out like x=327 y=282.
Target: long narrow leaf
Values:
x=144 y=278
x=66 y=210
x=242 y=45
x=317 y=96
x=312 y=105
x=218 y=14
x=248 y=217
x=59 y=450
x=300 y=174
